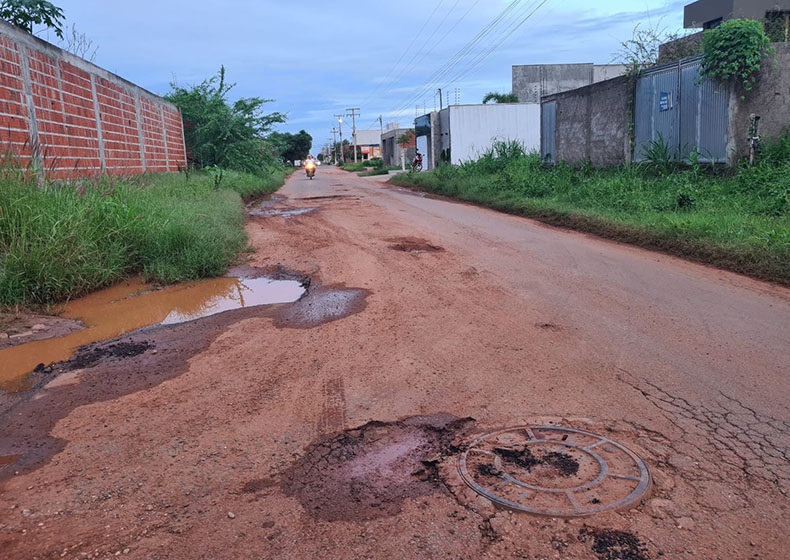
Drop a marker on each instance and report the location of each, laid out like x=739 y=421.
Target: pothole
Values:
x=368 y=472
x=268 y=212
x=322 y=305
x=554 y=471
x=132 y=305
x=413 y=245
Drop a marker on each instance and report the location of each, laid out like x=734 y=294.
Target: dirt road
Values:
x=334 y=427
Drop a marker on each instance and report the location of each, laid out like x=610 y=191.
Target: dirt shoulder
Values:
x=334 y=427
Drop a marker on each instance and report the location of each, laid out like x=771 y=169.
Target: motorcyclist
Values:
x=416 y=164
x=309 y=165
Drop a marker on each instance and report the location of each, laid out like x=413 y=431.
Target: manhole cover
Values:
x=554 y=471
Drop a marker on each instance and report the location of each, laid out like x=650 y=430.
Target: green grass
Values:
x=60 y=241
x=739 y=221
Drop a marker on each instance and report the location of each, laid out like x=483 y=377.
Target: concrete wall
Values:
x=66 y=118
x=531 y=82
x=474 y=128
x=592 y=123
x=770 y=99
x=684 y=47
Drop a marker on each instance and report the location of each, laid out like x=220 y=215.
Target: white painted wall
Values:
x=473 y=128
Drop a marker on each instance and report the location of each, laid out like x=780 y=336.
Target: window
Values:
x=777 y=26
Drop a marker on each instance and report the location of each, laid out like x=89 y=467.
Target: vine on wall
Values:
x=735 y=51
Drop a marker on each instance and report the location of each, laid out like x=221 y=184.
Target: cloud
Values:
x=316 y=59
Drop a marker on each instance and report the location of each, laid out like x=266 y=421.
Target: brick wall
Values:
x=67 y=118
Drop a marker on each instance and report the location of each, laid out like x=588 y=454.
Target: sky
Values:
x=317 y=59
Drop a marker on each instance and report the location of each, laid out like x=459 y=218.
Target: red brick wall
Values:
x=67 y=118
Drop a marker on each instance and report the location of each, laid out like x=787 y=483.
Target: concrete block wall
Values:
x=66 y=118
x=592 y=123
x=769 y=99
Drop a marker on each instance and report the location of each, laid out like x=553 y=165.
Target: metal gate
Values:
x=548 y=132
x=677 y=114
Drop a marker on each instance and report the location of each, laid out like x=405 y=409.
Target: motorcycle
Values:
x=416 y=164
x=309 y=169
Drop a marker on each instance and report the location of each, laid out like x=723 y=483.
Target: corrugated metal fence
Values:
x=676 y=113
x=548 y=132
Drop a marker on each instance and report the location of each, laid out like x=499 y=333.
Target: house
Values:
x=533 y=81
x=368 y=143
x=391 y=151
x=707 y=14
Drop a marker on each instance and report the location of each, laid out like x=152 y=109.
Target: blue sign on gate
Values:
x=664 y=101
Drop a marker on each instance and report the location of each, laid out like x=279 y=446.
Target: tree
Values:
x=79 y=44
x=642 y=49
x=24 y=13
x=218 y=133
x=291 y=147
x=407 y=139
x=500 y=97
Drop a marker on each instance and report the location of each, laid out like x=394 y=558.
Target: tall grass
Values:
x=60 y=241
x=739 y=221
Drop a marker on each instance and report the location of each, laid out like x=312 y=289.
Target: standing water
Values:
x=132 y=305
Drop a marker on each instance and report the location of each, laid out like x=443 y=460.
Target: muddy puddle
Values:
x=132 y=305
x=367 y=472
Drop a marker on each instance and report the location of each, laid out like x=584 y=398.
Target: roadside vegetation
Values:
x=369 y=167
x=737 y=220
x=58 y=242
x=62 y=240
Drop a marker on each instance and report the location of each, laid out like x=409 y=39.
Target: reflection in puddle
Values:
x=132 y=305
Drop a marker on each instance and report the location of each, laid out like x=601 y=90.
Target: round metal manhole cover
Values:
x=554 y=471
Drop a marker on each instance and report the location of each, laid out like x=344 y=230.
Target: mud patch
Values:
x=28 y=418
x=322 y=305
x=609 y=544
x=367 y=473
x=88 y=356
x=413 y=245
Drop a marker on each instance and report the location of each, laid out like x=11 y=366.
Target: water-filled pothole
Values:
x=367 y=472
x=133 y=304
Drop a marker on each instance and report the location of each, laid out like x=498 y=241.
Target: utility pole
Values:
x=354 y=114
x=334 y=145
x=381 y=140
x=440 y=99
x=340 y=128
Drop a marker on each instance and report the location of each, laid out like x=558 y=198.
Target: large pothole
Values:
x=368 y=472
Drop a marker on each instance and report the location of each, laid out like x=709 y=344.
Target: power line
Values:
x=459 y=56
x=481 y=57
x=394 y=81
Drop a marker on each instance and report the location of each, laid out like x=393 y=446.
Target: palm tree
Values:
x=500 y=97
